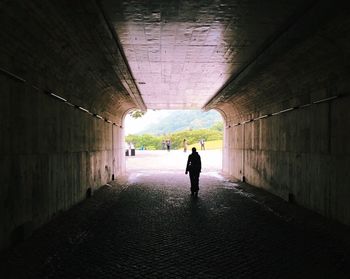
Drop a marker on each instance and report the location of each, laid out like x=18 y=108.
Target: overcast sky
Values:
x=133 y=126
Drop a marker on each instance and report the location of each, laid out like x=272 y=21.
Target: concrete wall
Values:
x=51 y=152
x=302 y=154
x=50 y=155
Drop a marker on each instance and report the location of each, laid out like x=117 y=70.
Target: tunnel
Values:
x=70 y=71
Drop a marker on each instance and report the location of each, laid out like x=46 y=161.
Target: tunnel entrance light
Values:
x=163 y=139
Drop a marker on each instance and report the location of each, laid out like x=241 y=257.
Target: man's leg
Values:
x=195 y=183
x=192 y=179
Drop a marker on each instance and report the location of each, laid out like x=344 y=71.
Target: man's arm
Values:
x=188 y=165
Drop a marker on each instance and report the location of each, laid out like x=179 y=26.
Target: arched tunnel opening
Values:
x=162 y=140
x=277 y=72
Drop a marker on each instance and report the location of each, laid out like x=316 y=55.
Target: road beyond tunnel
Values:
x=175 y=160
x=148 y=226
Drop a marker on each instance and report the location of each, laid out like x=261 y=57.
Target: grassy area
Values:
x=214 y=144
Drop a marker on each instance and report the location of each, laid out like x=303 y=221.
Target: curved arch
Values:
x=125 y=113
x=222 y=113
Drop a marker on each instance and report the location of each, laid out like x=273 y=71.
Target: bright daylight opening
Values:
x=163 y=139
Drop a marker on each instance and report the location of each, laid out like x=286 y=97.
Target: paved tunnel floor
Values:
x=148 y=226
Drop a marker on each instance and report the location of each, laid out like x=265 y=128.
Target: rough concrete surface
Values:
x=148 y=226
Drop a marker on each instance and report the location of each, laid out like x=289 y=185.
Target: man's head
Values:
x=194 y=150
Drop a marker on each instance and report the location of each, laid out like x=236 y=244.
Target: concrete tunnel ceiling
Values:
x=183 y=53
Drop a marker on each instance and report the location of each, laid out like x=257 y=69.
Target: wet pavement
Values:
x=148 y=226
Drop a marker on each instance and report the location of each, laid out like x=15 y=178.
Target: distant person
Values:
x=202 y=143
x=127 y=147
x=132 y=149
x=185 y=145
x=163 y=145
x=194 y=167
x=168 y=144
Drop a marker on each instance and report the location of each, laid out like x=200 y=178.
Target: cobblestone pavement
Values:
x=148 y=226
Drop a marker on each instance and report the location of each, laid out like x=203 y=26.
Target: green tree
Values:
x=153 y=142
x=137 y=113
x=219 y=126
x=146 y=141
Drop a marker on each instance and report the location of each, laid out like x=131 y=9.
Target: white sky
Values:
x=151 y=117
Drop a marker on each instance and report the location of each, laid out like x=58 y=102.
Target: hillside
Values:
x=179 y=120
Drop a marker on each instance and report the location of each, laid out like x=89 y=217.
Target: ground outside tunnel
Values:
x=147 y=225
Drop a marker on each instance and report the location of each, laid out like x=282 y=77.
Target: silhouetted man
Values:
x=194 y=166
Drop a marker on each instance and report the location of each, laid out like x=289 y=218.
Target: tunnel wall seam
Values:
x=57 y=97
